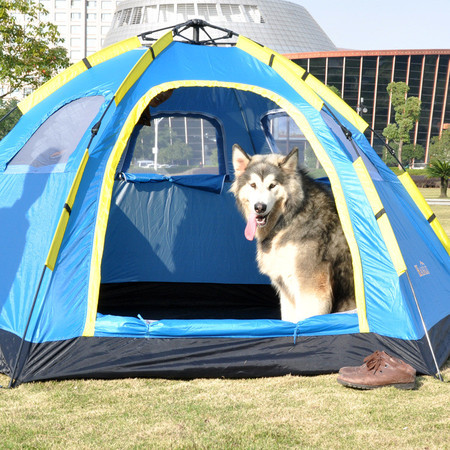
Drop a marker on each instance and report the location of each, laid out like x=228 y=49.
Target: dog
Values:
x=300 y=242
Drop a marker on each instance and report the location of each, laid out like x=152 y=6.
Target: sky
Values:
x=383 y=24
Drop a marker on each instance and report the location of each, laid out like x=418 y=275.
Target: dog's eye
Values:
x=271 y=186
x=253 y=185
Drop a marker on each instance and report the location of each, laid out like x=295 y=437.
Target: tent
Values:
x=123 y=252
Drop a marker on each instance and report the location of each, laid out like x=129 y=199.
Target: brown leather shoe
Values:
x=379 y=370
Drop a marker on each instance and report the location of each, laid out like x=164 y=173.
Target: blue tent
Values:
x=120 y=258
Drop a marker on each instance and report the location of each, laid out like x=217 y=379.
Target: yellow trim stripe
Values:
x=76 y=69
x=114 y=158
x=382 y=218
x=425 y=209
x=64 y=218
x=142 y=65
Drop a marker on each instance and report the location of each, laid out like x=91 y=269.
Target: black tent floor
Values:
x=189 y=301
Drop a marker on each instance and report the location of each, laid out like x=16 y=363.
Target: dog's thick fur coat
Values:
x=300 y=242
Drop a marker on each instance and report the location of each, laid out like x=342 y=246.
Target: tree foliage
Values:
x=440 y=147
x=407 y=113
x=30 y=50
x=440 y=169
x=10 y=115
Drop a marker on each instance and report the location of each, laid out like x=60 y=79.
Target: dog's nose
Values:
x=260 y=208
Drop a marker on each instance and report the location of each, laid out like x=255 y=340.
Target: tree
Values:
x=412 y=153
x=30 y=51
x=440 y=147
x=440 y=160
x=407 y=113
x=171 y=147
x=440 y=169
x=10 y=116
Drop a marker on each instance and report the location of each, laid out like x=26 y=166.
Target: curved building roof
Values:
x=281 y=25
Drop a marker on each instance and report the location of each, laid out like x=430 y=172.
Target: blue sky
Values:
x=383 y=24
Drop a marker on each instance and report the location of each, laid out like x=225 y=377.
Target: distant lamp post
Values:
x=361 y=109
x=156 y=148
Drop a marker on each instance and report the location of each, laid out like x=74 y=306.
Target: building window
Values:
x=166 y=13
x=207 y=11
x=136 y=17
x=60 y=17
x=106 y=5
x=75 y=55
x=185 y=11
x=253 y=14
x=91 y=43
x=106 y=17
x=125 y=17
x=232 y=13
x=75 y=29
x=75 y=16
x=150 y=14
x=91 y=16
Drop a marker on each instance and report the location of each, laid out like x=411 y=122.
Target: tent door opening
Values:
x=174 y=246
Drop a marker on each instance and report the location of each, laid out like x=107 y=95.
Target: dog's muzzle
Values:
x=261 y=214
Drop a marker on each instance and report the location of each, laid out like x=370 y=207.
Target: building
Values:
x=83 y=24
x=281 y=25
x=362 y=77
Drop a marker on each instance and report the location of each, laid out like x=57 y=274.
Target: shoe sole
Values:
x=404 y=386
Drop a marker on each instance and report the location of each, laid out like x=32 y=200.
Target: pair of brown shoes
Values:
x=379 y=370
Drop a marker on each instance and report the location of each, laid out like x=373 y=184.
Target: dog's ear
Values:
x=240 y=160
x=290 y=162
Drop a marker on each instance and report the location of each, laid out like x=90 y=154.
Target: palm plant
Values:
x=440 y=169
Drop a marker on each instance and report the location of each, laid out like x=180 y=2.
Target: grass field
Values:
x=268 y=413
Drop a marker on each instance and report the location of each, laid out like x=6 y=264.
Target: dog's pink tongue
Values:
x=250 y=229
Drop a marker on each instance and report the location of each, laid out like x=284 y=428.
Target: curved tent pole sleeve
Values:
x=58 y=237
x=140 y=67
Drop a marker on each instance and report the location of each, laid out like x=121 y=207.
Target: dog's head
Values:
x=260 y=186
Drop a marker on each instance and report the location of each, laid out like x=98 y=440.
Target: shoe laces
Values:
x=374 y=361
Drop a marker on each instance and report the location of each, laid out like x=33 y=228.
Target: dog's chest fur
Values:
x=277 y=259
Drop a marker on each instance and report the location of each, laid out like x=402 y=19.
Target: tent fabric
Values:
x=74 y=219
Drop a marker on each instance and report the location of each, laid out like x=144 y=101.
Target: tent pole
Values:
x=439 y=375
x=13 y=373
x=388 y=147
x=8 y=113
x=244 y=119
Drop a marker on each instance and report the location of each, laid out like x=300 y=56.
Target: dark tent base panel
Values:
x=189 y=301
x=183 y=358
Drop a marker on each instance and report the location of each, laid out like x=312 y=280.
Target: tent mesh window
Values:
x=283 y=135
x=58 y=137
x=176 y=145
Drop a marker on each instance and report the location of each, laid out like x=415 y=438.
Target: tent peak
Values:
x=202 y=32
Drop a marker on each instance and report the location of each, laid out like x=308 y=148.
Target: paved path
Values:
x=438 y=201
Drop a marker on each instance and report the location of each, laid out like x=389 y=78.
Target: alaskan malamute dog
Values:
x=300 y=242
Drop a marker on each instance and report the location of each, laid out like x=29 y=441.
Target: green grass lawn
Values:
x=267 y=413
x=442 y=211
x=289 y=412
